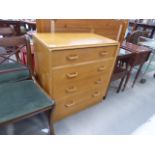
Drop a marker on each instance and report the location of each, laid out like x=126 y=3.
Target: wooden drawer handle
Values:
x=72 y=75
x=96 y=94
x=70 y=104
x=102 y=68
x=103 y=53
x=72 y=57
x=98 y=81
x=71 y=89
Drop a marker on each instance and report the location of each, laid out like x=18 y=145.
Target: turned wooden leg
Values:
x=120 y=85
x=137 y=75
x=127 y=79
x=50 y=121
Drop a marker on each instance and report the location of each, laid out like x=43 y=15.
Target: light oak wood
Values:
x=74 y=68
x=73 y=56
x=72 y=88
x=78 y=102
x=111 y=28
x=58 y=41
x=72 y=73
x=42 y=65
x=43 y=25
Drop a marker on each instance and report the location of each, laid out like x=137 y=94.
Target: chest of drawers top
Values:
x=60 y=41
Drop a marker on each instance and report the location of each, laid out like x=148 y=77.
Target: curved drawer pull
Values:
x=98 y=81
x=72 y=57
x=70 y=104
x=71 y=89
x=96 y=94
x=103 y=53
x=102 y=68
x=72 y=75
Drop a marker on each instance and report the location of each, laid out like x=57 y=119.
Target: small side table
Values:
x=140 y=56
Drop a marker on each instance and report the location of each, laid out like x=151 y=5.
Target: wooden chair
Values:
x=20 y=95
x=16 y=71
x=134 y=36
x=7 y=32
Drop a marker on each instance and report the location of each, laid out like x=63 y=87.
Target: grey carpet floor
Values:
x=119 y=114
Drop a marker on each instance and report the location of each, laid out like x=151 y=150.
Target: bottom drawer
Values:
x=72 y=105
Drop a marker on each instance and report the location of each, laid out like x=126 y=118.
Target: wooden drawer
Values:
x=72 y=88
x=71 y=56
x=65 y=75
x=74 y=104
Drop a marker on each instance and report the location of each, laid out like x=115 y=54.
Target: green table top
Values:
x=20 y=99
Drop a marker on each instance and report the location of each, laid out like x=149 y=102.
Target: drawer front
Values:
x=72 y=88
x=66 y=75
x=64 y=57
x=74 y=104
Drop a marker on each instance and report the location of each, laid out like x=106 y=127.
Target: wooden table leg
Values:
x=127 y=78
x=120 y=85
x=50 y=120
x=137 y=75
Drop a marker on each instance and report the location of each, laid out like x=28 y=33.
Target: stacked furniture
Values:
x=20 y=95
x=74 y=68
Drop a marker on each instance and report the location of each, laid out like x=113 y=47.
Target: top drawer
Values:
x=71 y=56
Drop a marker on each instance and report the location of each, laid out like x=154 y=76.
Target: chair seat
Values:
x=21 y=99
x=13 y=76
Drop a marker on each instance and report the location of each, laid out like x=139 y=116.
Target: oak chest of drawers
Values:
x=74 y=68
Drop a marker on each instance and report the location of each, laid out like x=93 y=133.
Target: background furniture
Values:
x=14 y=23
x=145 y=26
x=114 y=29
x=20 y=96
x=30 y=23
x=15 y=70
x=140 y=56
x=20 y=26
x=122 y=67
x=6 y=31
x=74 y=68
x=133 y=37
x=16 y=28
